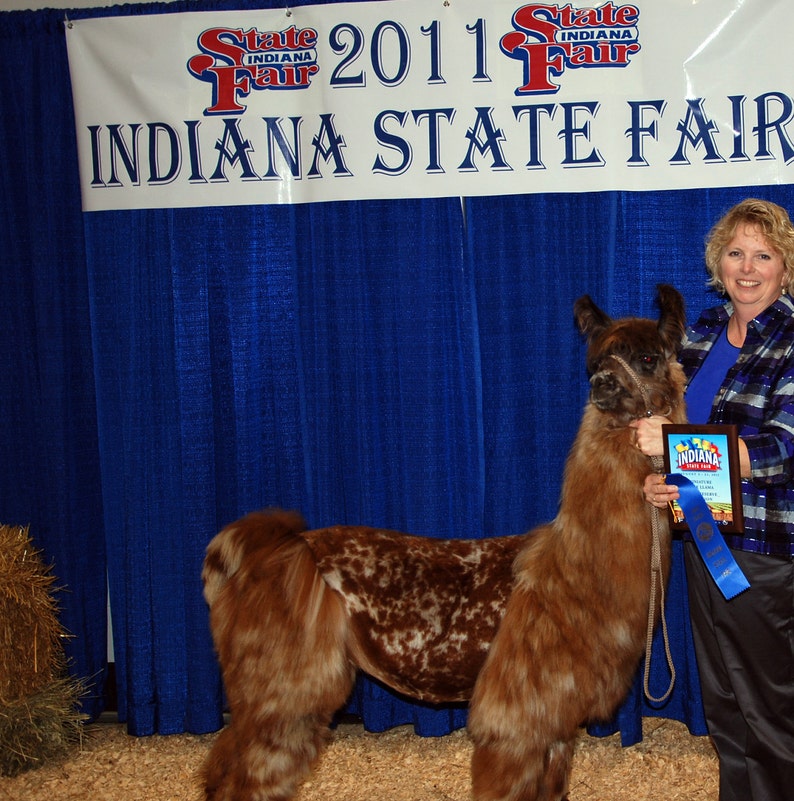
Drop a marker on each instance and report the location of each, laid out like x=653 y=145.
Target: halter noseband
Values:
x=643 y=388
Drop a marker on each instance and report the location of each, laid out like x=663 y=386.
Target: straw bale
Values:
x=40 y=727
x=38 y=702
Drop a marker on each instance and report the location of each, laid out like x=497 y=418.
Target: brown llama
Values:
x=541 y=632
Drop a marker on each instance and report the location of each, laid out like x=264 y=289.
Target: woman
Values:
x=739 y=362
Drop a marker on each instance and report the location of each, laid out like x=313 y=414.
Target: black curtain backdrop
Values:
x=411 y=364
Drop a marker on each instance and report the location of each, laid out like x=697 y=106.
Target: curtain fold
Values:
x=411 y=364
x=388 y=350
x=199 y=414
x=528 y=272
x=389 y=346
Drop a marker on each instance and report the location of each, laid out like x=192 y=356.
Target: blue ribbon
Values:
x=718 y=559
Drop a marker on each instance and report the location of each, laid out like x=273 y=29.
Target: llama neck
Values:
x=604 y=472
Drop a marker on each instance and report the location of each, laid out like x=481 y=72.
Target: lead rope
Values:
x=657 y=579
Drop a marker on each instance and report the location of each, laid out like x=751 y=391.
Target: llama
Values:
x=539 y=632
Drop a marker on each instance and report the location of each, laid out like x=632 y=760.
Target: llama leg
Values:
x=507 y=770
x=263 y=762
x=217 y=765
x=513 y=770
x=281 y=636
x=558 y=771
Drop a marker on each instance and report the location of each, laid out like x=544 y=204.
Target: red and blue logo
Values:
x=550 y=39
x=236 y=62
x=699 y=454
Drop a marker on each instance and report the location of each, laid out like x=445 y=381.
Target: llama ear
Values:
x=589 y=317
x=672 y=320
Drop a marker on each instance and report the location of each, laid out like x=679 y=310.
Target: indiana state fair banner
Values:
x=429 y=98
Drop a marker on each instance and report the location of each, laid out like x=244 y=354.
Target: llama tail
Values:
x=281 y=634
x=264 y=530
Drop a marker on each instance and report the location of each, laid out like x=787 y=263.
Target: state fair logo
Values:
x=550 y=39
x=236 y=62
x=697 y=453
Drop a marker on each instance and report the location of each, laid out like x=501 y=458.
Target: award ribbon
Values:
x=715 y=554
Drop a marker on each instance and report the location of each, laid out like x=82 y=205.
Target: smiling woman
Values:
x=753 y=274
x=739 y=364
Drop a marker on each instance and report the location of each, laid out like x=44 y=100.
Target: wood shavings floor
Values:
x=396 y=765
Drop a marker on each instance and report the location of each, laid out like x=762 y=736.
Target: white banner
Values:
x=428 y=98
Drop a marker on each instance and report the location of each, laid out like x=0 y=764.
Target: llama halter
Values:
x=642 y=387
x=656 y=557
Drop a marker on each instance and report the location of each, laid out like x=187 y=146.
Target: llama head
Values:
x=632 y=361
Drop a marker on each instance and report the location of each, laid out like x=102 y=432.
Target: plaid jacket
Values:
x=757 y=396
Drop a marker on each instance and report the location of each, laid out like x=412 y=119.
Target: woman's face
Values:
x=752 y=271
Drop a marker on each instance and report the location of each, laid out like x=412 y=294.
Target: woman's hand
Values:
x=648 y=434
x=657 y=492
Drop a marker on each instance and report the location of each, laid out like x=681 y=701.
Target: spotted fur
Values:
x=541 y=632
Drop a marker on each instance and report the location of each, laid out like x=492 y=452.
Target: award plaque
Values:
x=707 y=455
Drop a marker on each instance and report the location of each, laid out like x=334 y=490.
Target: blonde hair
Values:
x=771 y=220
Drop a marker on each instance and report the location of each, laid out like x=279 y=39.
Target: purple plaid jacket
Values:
x=757 y=396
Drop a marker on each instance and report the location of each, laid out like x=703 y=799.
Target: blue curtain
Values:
x=411 y=364
x=311 y=357
x=49 y=467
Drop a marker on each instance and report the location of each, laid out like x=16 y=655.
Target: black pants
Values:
x=745 y=654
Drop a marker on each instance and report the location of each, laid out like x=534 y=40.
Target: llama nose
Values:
x=605 y=390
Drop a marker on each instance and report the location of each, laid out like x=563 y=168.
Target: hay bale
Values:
x=38 y=701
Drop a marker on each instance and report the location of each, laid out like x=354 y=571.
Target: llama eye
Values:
x=648 y=361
